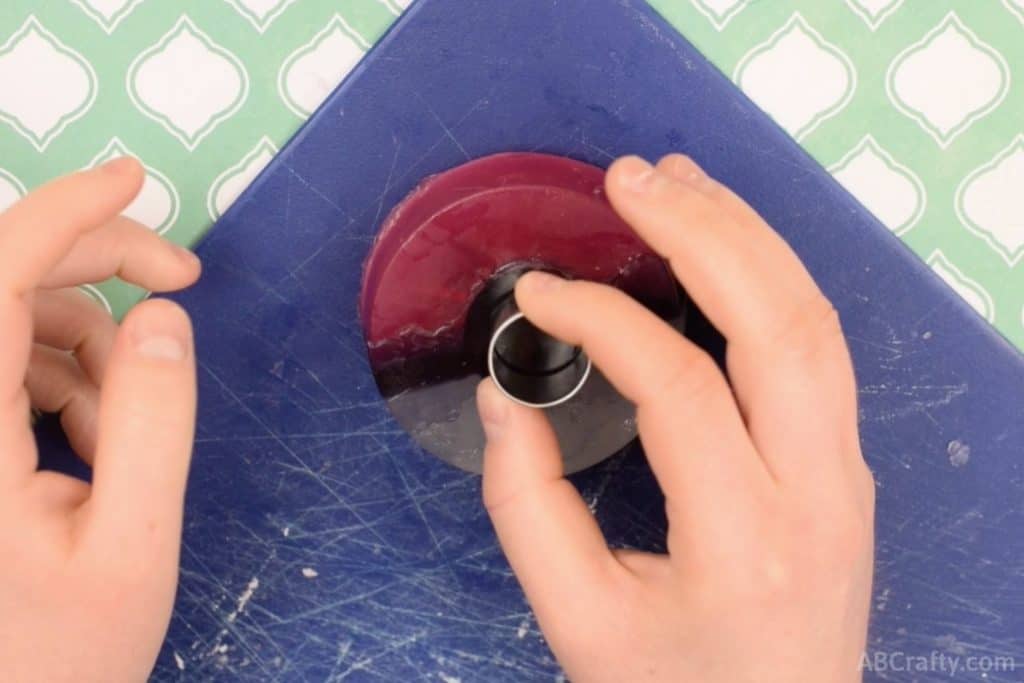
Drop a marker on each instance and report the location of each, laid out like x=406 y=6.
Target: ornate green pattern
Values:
x=915 y=107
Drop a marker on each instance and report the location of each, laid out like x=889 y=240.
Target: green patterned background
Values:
x=914 y=105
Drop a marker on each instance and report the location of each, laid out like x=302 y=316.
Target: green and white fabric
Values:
x=916 y=106
x=204 y=92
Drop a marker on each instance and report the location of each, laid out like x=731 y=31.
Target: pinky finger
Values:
x=56 y=384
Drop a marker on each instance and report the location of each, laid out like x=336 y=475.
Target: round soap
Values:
x=447 y=244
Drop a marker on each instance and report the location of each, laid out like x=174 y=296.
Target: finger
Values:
x=689 y=424
x=682 y=168
x=787 y=357
x=56 y=384
x=56 y=492
x=741 y=273
x=130 y=251
x=69 y=320
x=35 y=234
x=685 y=170
x=550 y=537
x=146 y=427
x=19 y=456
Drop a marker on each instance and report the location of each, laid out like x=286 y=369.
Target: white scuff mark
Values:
x=179 y=662
x=523 y=629
x=216 y=645
x=285 y=531
x=883 y=600
x=448 y=679
x=950 y=644
x=959 y=453
x=310 y=573
x=244 y=599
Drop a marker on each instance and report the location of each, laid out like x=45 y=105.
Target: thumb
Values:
x=551 y=539
x=146 y=427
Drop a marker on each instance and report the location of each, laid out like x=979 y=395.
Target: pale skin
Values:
x=89 y=572
x=769 y=501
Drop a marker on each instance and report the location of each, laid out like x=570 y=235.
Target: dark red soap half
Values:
x=439 y=248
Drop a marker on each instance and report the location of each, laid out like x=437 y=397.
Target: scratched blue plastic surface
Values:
x=298 y=465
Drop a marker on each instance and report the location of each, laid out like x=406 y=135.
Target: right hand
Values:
x=769 y=501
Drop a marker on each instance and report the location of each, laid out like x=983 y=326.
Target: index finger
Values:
x=691 y=429
x=787 y=357
x=740 y=271
x=35 y=234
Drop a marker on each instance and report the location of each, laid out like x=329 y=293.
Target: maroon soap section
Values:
x=439 y=247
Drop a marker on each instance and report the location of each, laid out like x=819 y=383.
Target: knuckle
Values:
x=126 y=227
x=496 y=500
x=693 y=375
x=842 y=536
x=777 y=576
x=501 y=499
x=77 y=395
x=814 y=328
x=94 y=328
x=771 y=575
x=90 y=308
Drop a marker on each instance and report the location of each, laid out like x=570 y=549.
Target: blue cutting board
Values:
x=299 y=466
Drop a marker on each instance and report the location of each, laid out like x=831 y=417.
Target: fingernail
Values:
x=539 y=281
x=639 y=176
x=493 y=409
x=119 y=165
x=686 y=169
x=694 y=176
x=161 y=334
x=161 y=347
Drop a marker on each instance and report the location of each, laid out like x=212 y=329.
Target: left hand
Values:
x=89 y=572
